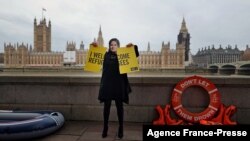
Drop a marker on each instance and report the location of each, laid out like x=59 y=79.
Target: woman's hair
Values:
x=115 y=40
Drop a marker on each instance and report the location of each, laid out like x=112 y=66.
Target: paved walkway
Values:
x=92 y=131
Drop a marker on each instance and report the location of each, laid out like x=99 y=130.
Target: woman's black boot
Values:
x=105 y=132
x=120 y=132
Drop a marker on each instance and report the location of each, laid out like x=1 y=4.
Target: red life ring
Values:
x=213 y=92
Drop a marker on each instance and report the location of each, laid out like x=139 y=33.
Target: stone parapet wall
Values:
x=76 y=96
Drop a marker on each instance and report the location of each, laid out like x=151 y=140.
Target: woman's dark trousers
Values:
x=106 y=112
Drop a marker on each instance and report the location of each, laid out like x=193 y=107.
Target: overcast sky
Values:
x=137 y=21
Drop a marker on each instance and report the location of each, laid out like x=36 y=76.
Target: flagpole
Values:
x=42 y=14
x=43 y=9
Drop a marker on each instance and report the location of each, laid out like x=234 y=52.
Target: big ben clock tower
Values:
x=184 y=38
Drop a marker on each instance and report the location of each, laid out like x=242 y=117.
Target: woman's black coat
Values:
x=114 y=86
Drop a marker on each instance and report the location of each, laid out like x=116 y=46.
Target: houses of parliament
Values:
x=41 y=55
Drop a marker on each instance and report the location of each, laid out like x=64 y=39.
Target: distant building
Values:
x=1 y=58
x=211 y=55
x=42 y=36
x=71 y=46
x=80 y=54
x=100 y=40
x=246 y=54
x=167 y=58
x=16 y=55
x=184 y=38
x=21 y=55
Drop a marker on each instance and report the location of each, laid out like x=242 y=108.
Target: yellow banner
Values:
x=95 y=59
x=127 y=60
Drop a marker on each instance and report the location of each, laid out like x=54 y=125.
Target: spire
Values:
x=148 y=46
x=100 y=41
x=49 y=23
x=235 y=47
x=30 y=48
x=81 y=46
x=44 y=20
x=183 y=26
x=35 y=21
x=100 y=31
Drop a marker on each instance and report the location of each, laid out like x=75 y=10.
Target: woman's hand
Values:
x=94 y=44
x=129 y=45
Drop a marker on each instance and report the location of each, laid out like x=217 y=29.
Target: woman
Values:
x=114 y=86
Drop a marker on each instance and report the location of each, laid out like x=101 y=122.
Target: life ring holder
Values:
x=214 y=97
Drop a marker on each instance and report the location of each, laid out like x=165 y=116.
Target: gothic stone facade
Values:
x=1 y=58
x=246 y=54
x=211 y=55
x=165 y=59
x=42 y=36
x=23 y=55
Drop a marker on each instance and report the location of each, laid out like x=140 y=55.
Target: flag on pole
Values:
x=44 y=9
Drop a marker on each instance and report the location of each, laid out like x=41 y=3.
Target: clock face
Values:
x=185 y=35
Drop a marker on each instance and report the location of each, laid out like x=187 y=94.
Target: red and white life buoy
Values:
x=209 y=112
